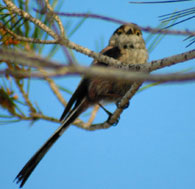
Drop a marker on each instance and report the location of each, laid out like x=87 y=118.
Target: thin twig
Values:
x=28 y=39
x=57 y=19
x=146 y=29
x=88 y=124
x=110 y=74
x=53 y=87
x=25 y=96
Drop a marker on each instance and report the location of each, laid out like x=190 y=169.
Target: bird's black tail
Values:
x=33 y=162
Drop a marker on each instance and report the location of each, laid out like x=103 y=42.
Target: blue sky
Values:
x=153 y=145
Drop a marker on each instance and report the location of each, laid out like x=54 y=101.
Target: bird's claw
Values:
x=115 y=123
x=123 y=107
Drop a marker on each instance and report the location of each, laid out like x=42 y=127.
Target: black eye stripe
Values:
x=132 y=46
x=119 y=30
x=129 y=32
x=124 y=29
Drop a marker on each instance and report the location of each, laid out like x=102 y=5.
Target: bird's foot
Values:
x=115 y=123
x=123 y=107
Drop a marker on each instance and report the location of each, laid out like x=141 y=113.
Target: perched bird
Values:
x=126 y=45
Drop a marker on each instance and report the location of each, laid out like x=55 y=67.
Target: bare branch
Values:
x=110 y=74
x=146 y=29
x=25 y=96
x=169 y=61
x=28 y=39
x=53 y=87
x=57 y=69
x=26 y=59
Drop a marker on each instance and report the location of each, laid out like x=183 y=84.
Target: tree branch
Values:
x=57 y=69
x=146 y=29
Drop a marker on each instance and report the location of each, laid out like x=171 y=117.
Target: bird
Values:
x=126 y=45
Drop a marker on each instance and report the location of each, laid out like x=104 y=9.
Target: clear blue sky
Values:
x=153 y=145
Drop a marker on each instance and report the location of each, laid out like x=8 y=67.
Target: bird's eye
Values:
x=129 y=32
x=138 y=33
x=125 y=47
x=119 y=32
x=132 y=46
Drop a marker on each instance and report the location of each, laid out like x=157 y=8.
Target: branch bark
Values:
x=140 y=71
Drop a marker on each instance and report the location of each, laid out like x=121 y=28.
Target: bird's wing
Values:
x=82 y=89
x=113 y=52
